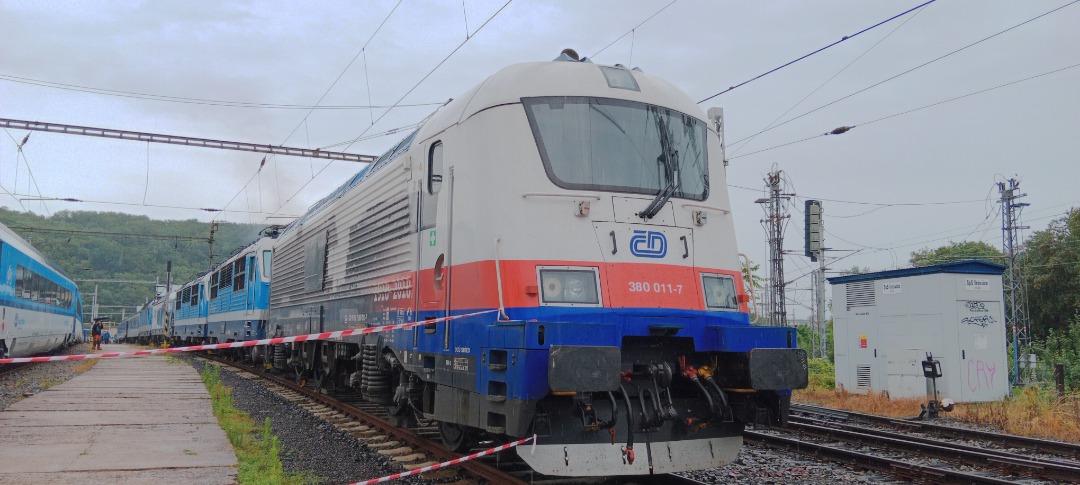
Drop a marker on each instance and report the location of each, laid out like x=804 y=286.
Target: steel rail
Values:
x=1070 y=450
x=799 y=420
x=1007 y=462
x=904 y=469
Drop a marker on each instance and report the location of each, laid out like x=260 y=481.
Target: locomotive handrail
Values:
x=498 y=278
x=566 y=196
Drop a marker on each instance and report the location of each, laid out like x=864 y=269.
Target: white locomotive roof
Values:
x=556 y=78
x=508 y=86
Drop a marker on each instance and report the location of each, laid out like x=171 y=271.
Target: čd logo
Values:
x=648 y=244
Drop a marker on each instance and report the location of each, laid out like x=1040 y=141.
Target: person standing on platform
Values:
x=95 y=334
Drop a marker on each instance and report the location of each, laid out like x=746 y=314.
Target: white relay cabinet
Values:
x=885 y=323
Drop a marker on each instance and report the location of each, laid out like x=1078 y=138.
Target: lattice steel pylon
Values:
x=775 y=221
x=1016 y=316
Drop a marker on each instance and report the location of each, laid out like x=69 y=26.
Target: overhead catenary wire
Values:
x=347 y=66
x=30 y=173
x=747 y=141
x=909 y=111
x=885 y=204
x=321 y=98
x=921 y=240
x=842 y=39
x=79 y=232
x=18 y=146
x=944 y=238
x=883 y=118
x=903 y=73
x=129 y=204
x=437 y=66
x=631 y=31
x=991 y=215
x=403 y=96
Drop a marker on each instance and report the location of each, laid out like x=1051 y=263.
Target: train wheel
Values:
x=458 y=439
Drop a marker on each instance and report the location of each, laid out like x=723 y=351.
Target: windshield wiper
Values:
x=669 y=159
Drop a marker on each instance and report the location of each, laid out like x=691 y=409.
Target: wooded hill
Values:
x=114 y=246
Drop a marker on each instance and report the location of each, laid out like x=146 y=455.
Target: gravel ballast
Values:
x=30 y=379
x=308 y=444
x=761 y=464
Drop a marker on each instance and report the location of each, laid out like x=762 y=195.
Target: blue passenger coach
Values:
x=40 y=307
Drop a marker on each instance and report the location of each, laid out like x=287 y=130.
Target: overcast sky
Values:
x=303 y=54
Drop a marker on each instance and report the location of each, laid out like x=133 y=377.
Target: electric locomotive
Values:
x=189 y=312
x=584 y=208
x=236 y=297
x=40 y=307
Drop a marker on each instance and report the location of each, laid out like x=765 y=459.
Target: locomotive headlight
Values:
x=552 y=284
x=569 y=286
x=575 y=288
x=720 y=292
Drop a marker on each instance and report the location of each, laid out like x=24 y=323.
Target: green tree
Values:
x=1051 y=270
x=808 y=338
x=751 y=276
x=957 y=251
x=753 y=283
x=854 y=270
x=1062 y=347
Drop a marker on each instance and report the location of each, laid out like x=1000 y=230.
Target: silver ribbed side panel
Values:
x=367 y=240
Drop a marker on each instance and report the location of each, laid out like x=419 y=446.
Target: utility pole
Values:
x=1016 y=317
x=821 y=306
x=93 y=306
x=213 y=229
x=168 y=290
x=776 y=217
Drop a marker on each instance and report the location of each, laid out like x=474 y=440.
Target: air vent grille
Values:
x=860 y=293
x=862 y=376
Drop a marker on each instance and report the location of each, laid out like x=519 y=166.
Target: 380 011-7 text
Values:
x=654 y=287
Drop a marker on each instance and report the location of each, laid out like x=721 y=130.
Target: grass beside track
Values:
x=257 y=449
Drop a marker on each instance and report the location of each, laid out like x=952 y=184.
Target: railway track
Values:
x=997 y=440
x=846 y=437
x=8 y=369
x=417 y=446
x=412 y=448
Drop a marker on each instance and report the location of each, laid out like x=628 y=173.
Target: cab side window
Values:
x=429 y=197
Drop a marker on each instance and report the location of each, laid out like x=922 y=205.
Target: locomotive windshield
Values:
x=620 y=146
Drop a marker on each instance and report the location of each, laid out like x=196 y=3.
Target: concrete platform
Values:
x=126 y=420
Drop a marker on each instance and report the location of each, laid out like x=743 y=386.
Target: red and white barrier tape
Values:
x=246 y=343
x=447 y=463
